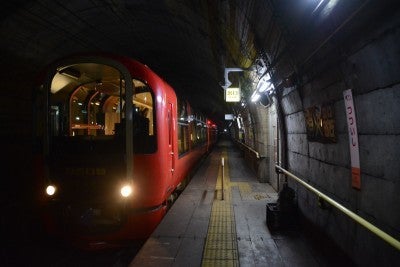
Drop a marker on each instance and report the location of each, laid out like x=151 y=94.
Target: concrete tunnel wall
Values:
x=265 y=140
x=371 y=69
x=259 y=133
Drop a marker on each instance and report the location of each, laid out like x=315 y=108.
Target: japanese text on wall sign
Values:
x=320 y=123
x=353 y=139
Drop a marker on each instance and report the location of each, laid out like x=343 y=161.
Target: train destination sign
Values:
x=232 y=94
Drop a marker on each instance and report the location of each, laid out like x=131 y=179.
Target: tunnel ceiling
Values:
x=188 y=43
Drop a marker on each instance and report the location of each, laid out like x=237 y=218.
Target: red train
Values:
x=114 y=144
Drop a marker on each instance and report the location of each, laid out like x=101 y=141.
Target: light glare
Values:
x=255 y=97
x=264 y=84
x=126 y=191
x=50 y=190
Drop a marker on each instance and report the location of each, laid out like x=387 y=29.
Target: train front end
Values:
x=96 y=147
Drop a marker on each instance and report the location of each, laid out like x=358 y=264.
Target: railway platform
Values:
x=220 y=220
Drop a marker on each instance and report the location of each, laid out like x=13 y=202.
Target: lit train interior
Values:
x=88 y=101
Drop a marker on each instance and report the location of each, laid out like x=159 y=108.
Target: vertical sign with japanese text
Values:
x=353 y=139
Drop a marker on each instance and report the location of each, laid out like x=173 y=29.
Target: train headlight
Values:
x=51 y=190
x=126 y=191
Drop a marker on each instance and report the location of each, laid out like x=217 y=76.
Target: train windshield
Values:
x=87 y=102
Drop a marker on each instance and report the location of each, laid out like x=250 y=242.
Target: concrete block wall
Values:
x=263 y=128
x=260 y=143
x=273 y=148
x=265 y=123
x=372 y=71
x=261 y=133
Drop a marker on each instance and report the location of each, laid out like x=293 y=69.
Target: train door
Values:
x=171 y=148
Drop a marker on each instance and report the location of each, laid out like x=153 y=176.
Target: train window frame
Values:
x=151 y=139
x=62 y=99
x=183 y=128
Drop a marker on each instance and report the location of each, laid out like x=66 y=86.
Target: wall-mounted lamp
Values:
x=260 y=66
x=255 y=96
x=265 y=84
x=264 y=88
x=239 y=122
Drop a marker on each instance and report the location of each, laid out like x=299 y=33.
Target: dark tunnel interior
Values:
x=295 y=62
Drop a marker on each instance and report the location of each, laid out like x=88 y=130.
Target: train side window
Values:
x=144 y=140
x=198 y=132
x=143 y=109
x=183 y=128
x=169 y=125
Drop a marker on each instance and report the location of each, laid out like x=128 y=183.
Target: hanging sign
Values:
x=353 y=139
x=229 y=117
x=232 y=94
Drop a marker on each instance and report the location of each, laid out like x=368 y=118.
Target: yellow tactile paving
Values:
x=244 y=188
x=221 y=243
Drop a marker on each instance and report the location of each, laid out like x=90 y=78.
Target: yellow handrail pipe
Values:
x=250 y=149
x=383 y=235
